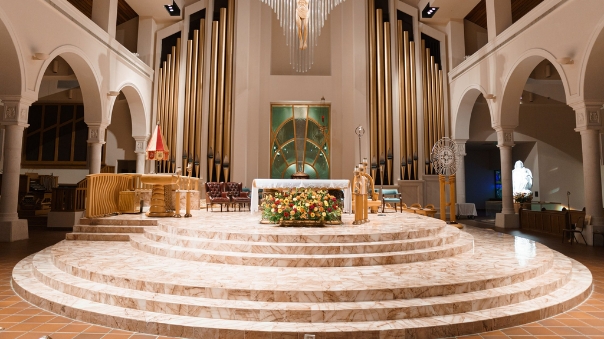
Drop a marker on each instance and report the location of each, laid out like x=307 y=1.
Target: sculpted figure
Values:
x=302 y=16
x=522 y=178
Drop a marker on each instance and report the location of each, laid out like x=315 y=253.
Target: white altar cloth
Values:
x=344 y=185
x=467 y=209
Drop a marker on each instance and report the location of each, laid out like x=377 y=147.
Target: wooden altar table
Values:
x=343 y=185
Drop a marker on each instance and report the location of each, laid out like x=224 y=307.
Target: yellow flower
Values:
x=273 y=210
x=316 y=209
x=325 y=203
x=307 y=204
x=312 y=215
x=279 y=211
x=323 y=214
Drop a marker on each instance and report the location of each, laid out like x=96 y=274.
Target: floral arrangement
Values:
x=301 y=204
x=522 y=197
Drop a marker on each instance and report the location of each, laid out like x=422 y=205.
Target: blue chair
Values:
x=391 y=196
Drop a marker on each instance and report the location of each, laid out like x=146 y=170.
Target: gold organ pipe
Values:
x=220 y=98
x=228 y=105
x=414 y=138
x=372 y=83
x=185 y=144
x=441 y=98
x=380 y=84
x=193 y=105
x=408 y=136
x=425 y=107
x=176 y=85
x=429 y=103
x=213 y=90
x=401 y=86
x=166 y=102
x=160 y=102
x=172 y=113
x=388 y=100
x=437 y=99
x=198 y=115
x=435 y=120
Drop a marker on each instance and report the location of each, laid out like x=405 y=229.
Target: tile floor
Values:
x=22 y=320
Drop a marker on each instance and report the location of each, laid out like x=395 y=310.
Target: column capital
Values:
x=141 y=143
x=96 y=133
x=461 y=146
x=588 y=115
x=15 y=111
x=505 y=136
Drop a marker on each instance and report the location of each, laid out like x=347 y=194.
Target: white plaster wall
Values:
x=120 y=144
x=256 y=88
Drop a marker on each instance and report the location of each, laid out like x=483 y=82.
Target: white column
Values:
x=146 y=39
x=499 y=17
x=14 y=119
x=96 y=140
x=104 y=14
x=505 y=142
x=589 y=123
x=141 y=143
x=460 y=174
x=457 y=42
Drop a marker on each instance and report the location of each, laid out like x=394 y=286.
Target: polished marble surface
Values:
x=496 y=282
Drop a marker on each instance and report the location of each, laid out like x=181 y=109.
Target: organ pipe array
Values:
x=381 y=97
x=434 y=113
x=221 y=93
x=167 y=105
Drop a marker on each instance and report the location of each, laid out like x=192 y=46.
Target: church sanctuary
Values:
x=301 y=169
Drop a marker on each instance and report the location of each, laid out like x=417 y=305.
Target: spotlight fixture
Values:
x=565 y=61
x=173 y=9
x=490 y=96
x=40 y=56
x=429 y=11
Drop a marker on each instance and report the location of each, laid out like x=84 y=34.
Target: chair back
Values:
x=214 y=189
x=579 y=225
x=416 y=205
x=233 y=189
x=390 y=191
x=430 y=207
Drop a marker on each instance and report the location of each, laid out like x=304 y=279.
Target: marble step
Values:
x=119 y=265
x=562 y=299
x=51 y=276
x=138 y=221
x=98 y=236
x=447 y=236
x=327 y=234
x=108 y=229
x=463 y=244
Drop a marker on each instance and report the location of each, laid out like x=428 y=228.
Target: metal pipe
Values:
x=176 y=86
x=372 y=82
x=425 y=108
x=401 y=86
x=167 y=86
x=220 y=98
x=429 y=103
x=408 y=113
x=193 y=105
x=213 y=91
x=388 y=101
x=380 y=83
x=160 y=103
x=434 y=101
x=198 y=111
x=170 y=112
x=228 y=104
x=185 y=130
x=414 y=138
x=441 y=99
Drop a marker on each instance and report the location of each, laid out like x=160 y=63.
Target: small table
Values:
x=467 y=209
x=344 y=185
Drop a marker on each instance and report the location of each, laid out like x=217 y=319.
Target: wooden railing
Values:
x=108 y=169
x=102 y=193
x=80 y=199
x=64 y=199
x=551 y=222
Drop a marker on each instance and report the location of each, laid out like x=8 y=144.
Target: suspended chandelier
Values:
x=302 y=21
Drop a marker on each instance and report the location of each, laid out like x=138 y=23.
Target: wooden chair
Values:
x=236 y=194
x=416 y=205
x=572 y=231
x=391 y=196
x=430 y=207
x=215 y=195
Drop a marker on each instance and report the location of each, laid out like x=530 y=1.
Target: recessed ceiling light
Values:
x=173 y=9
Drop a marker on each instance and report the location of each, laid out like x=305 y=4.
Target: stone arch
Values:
x=12 y=70
x=140 y=125
x=592 y=72
x=515 y=82
x=88 y=78
x=463 y=114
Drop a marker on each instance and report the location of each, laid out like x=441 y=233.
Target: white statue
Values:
x=522 y=178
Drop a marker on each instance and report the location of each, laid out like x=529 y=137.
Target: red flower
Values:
x=286 y=214
x=277 y=202
x=291 y=205
x=329 y=209
x=335 y=207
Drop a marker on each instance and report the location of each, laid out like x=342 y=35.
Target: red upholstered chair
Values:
x=237 y=196
x=215 y=194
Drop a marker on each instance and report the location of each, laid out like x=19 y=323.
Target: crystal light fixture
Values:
x=302 y=21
